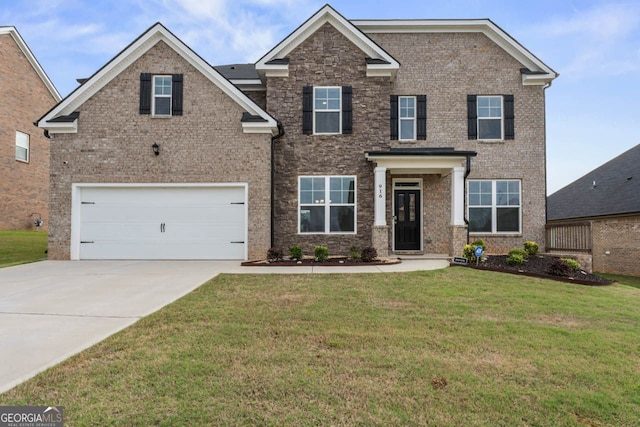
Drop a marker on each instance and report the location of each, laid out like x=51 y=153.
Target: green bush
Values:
x=469 y=251
x=531 y=248
x=479 y=242
x=516 y=256
x=321 y=253
x=575 y=265
x=274 y=254
x=295 y=252
x=354 y=252
x=559 y=267
x=369 y=254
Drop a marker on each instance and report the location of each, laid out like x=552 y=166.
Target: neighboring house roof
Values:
x=13 y=32
x=534 y=71
x=154 y=35
x=274 y=62
x=611 y=189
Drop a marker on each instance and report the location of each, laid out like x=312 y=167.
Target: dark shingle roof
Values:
x=238 y=71
x=616 y=190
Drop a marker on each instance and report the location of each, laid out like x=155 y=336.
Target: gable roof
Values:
x=611 y=189
x=129 y=55
x=13 y=32
x=274 y=62
x=534 y=71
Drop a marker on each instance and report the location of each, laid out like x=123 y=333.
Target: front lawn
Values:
x=452 y=347
x=20 y=247
x=624 y=280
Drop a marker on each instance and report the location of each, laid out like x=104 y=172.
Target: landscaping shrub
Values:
x=559 y=267
x=321 y=253
x=369 y=254
x=274 y=254
x=516 y=256
x=479 y=242
x=531 y=248
x=469 y=251
x=354 y=252
x=575 y=265
x=295 y=252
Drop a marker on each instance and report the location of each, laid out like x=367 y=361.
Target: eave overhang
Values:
x=275 y=63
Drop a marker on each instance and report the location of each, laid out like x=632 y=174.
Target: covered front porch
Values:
x=419 y=205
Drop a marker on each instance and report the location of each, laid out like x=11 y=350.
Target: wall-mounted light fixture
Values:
x=156 y=149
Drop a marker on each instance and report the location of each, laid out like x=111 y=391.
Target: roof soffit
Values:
x=326 y=15
x=543 y=74
x=133 y=52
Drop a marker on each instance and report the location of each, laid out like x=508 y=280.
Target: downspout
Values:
x=464 y=189
x=273 y=178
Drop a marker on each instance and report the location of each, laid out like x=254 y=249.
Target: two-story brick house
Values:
x=26 y=92
x=386 y=133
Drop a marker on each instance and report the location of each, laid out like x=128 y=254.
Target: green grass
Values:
x=452 y=347
x=20 y=247
x=624 y=280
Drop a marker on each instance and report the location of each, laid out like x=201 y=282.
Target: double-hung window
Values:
x=490 y=118
x=407 y=117
x=22 y=146
x=495 y=206
x=161 y=95
x=327 y=204
x=327 y=104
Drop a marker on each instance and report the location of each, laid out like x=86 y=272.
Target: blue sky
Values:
x=593 y=108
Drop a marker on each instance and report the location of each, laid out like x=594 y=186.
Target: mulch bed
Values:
x=537 y=266
x=331 y=262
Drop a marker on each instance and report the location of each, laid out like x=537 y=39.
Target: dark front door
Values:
x=407 y=220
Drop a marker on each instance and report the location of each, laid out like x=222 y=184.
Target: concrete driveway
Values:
x=51 y=310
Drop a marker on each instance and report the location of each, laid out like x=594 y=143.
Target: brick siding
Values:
x=615 y=245
x=24 y=187
x=204 y=145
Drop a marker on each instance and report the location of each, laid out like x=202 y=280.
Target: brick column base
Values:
x=458 y=239
x=380 y=239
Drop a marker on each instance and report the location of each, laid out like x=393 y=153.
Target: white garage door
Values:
x=162 y=223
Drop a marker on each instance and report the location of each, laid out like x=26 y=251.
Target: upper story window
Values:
x=494 y=206
x=326 y=110
x=22 y=146
x=407 y=106
x=161 y=95
x=408 y=117
x=327 y=204
x=490 y=118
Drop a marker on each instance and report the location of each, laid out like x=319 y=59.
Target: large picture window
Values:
x=495 y=206
x=327 y=204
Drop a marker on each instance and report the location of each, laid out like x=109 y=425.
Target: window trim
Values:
x=414 y=119
x=327 y=206
x=339 y=111
x=27 y=148
x=478 y=118
x=494 y=207
x=154 y=96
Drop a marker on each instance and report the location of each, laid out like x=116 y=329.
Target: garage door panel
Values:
x=162 y=223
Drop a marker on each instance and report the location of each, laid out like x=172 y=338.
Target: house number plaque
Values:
x=380 y=191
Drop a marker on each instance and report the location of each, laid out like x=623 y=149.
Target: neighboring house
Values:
x=607 y=202
x=26 y=92
x=389 y=134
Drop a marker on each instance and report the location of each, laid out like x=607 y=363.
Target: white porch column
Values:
x=457 y=196
x=380 y=196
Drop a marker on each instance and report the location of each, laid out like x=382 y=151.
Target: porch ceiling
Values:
x=420 y=161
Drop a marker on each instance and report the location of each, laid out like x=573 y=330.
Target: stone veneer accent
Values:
x=204 y=145
x=444 y=66
x=24 y=186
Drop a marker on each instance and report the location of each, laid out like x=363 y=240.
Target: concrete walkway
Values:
x=51 y=310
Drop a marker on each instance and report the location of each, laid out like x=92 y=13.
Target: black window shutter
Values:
x=472 y=117
x=509 y=128
x=421 y=124
x=176 y=94
x=145 y=93
x=347 y=110
x=307 y=110
x=393 y=123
